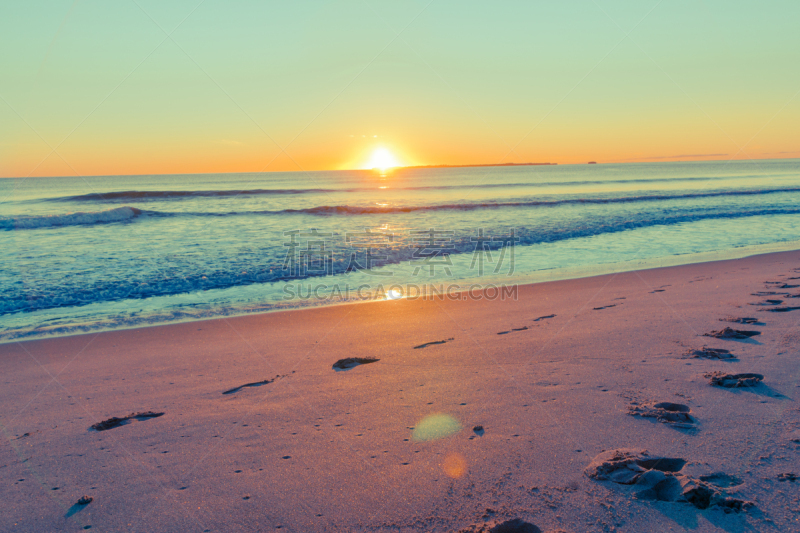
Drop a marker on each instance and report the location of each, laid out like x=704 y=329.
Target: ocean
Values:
x=84 y=254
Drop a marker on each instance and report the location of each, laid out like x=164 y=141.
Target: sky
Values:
x=153 y=87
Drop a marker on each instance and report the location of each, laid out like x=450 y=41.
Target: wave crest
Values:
x=118 y=214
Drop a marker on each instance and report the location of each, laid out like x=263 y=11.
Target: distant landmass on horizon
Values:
x=481 y=165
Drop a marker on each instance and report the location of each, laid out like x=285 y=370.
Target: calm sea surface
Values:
x=91 y=253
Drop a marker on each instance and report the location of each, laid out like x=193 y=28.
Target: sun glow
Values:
x=382 y=159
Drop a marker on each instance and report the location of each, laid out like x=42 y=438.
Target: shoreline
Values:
x=543 y=276
x=461 y=415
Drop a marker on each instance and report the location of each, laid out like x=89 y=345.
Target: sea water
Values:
x=91 y=253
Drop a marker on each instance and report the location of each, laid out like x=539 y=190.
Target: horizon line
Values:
x=650 y=160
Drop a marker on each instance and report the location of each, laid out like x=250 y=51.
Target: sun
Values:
x=382 y=159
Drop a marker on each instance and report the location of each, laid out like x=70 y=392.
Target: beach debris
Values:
x=675 y=414
x=253 y=384
x=544 y=317
x=114 y=421
x=709 y=353
x=733 y=381
x=789 y=476
x=603 y=307
x=432 y=343
x=730 y=333
x=84 y=500
x=740 y=320
x=352 y=362
x=659 y=478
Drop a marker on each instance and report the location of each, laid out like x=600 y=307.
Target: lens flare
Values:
x=434 y=427
x=454 y=465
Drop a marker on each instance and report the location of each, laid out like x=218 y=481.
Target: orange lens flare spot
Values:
x=454 y=465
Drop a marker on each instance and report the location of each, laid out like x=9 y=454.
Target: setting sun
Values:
x=382 y=159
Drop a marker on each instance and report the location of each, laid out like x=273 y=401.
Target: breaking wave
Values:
x=118 y=214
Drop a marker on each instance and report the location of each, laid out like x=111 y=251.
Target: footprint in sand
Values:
x=544 y=317
x=352 y=362
x=114 y=421
x=768 y=293
x=523 y=328
x=780 y=309
x=767 y=302
x=710 y=353
x=741 y=320
x=253 y=384
x=733 y=381
x=730 y=333
x=432 y=343
x=674 y=414
x=659 y=478
x=603 y=307
x=517 y=525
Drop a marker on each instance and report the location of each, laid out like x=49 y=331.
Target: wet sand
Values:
x=440 y=415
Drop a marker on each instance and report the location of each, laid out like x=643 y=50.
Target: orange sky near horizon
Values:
x=96 y=89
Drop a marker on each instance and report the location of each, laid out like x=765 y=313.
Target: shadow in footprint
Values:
x=432 y=343
x=766 y=303
x=544 y=317
x=710 y=353
x=253 y=384
x=733 y=381
x=730 y=334
x=114 y=421
x=603 y=307
x=673 y=414
x=516 y=525
x=780 y=309
x=523 y=328
x=743 y=320
x=352 y=362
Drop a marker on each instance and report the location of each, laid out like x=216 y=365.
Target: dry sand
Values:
x=259 y=432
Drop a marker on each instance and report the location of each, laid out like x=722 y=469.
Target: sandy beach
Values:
x=503 y=421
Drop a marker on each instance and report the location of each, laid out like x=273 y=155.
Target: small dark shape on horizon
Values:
x=730 y=333
x=113 y=422
x=432 y=343
x=733 y=381
x=352 y=362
